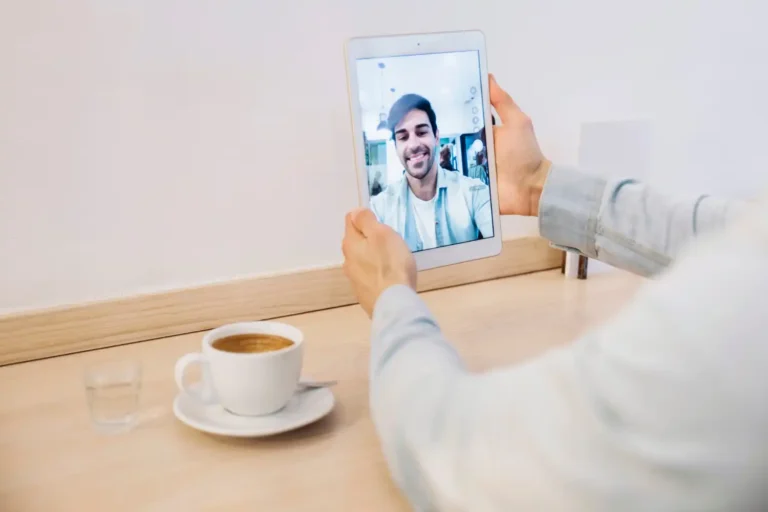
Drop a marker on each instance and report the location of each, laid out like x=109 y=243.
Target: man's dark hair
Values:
x=405 y=104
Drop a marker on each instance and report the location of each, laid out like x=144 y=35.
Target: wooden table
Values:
x=51 y=460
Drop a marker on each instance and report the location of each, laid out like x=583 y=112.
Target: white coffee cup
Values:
x=246 y=383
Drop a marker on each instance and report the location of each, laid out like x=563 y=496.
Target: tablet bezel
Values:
x=417 y=44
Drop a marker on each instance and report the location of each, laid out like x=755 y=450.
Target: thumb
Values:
x=365 y=221
x=502 y=101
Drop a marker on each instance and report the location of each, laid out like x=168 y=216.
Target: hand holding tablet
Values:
x=424 y=148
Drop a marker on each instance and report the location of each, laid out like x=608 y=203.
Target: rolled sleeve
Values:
x=624 y=222
x=569 y=209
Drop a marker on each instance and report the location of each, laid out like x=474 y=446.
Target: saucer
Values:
x=305 y=407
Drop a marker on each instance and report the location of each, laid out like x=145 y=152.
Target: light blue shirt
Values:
x=462 y=210
x=663 y=408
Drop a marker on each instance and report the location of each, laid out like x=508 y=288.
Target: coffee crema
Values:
x=251 y=343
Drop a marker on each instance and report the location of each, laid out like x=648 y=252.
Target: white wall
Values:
x=152 y=144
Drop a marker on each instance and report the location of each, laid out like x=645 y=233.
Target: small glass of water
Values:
x=112 y=389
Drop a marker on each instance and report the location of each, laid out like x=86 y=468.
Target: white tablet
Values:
x=424 y=142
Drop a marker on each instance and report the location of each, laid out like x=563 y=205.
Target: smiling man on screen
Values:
x=429 y=207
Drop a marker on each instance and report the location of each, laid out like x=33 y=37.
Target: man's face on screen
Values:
x=416 y=143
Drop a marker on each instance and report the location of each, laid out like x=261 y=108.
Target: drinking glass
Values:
x=112 y=390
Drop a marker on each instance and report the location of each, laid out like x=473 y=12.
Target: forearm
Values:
x=414 y=374
x=624 y=223
x=485 y=227
x=657 y=410
x=483 y=215
x=455 y=440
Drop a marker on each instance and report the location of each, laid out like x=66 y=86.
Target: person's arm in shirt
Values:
x=663 y=408
x=481 y=208
x=624 y=223
x=377 y=206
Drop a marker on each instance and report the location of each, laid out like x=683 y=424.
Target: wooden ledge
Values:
x=46 y=333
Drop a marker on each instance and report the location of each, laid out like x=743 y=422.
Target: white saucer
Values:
x=304 y=408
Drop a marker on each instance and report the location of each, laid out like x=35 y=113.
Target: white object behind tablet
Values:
x=414 y=97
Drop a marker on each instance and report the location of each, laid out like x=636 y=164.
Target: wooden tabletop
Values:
x=51 y=460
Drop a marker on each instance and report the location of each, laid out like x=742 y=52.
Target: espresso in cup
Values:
x=249 y=368
x=252 y=343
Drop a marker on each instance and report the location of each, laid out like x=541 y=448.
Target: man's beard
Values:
x=424 y=160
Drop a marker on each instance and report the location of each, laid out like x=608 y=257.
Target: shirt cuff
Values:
x=569 y=208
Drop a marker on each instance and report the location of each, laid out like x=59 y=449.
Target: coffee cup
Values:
x=250 y=368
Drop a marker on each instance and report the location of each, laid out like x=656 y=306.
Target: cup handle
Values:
x=205 y=394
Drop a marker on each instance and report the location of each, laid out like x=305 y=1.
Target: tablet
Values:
x=423 y=142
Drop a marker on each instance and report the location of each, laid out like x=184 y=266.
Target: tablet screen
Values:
x=425 y=147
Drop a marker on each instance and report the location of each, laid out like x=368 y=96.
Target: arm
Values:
x=377 y=207
x=481 y=208
x=660 y=409
x=624 y=223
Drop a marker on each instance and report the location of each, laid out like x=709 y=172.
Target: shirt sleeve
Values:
x=624 y=223
x=662 y=408
x=376 y=207
x=481 y=205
